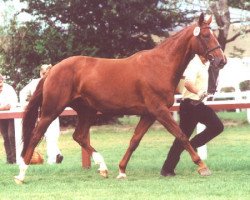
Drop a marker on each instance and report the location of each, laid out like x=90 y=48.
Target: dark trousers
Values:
x=190 y=115
x=8 y=132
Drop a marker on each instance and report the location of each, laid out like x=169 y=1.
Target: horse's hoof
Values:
x=204 y=171
x=18 y=181
x=103 y=173
x=121 y=176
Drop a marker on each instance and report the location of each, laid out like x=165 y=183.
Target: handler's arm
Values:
x=190 y=86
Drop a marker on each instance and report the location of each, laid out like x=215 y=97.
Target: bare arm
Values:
x=190 y=86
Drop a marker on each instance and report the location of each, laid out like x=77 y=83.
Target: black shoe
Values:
x=168 y=174
x=59 y=158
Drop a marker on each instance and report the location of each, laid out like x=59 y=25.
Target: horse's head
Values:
x=205 y=43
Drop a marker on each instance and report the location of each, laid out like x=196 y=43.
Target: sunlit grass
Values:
x=228 y=158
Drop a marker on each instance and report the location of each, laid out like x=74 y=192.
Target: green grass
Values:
x=228 y=158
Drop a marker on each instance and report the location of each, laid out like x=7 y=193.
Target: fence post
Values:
x=202 y=151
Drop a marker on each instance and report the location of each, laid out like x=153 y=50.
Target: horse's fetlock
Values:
x=197 y=160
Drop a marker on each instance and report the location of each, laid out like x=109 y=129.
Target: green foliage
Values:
x=228 y=89
x=59 y=29
x=26 y=48
x=108 y=28
x=245 y=85
x=243 y=4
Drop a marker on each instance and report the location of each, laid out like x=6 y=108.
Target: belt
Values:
x=191 y=101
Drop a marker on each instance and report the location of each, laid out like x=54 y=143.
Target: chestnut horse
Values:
x=142 y=84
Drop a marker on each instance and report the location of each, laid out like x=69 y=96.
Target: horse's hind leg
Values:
x=86 y=118
x=38 y=133
x=141 y=128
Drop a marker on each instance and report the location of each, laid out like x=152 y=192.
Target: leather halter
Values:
x=204 y=45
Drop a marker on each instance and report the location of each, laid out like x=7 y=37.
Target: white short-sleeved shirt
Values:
x=28 y=90
x=8 y=96
x=196 y=72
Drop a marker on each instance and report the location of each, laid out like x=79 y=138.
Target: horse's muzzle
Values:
x=218 y=62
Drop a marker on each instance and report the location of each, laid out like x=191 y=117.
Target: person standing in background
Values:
x=53 y=132
x=8 y=100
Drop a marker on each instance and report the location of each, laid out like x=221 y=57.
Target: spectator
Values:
x=8 y=100
x=53 y=132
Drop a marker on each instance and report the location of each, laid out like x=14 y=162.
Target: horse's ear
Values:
x=209 y=20
x=201 y=19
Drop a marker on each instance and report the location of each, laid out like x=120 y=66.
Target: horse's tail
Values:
x=31 y=115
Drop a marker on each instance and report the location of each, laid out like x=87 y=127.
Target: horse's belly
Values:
x=116 y=104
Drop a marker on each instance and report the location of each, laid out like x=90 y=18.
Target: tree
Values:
x=105 y=28
x=221 y=12
x=59 y=29
x=220 y=9
x=28 y=46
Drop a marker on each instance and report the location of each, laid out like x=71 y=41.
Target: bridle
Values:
x=207 y=51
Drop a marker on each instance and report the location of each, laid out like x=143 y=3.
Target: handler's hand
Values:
x=202 y=95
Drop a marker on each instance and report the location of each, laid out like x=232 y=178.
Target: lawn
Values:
x=228 y=158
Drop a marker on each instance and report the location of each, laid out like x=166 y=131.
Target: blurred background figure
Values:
x=52 y=134
x=8 y=100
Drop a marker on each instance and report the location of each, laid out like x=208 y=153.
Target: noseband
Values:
x=204 y=45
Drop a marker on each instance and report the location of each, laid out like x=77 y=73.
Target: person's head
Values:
x=44 y=69
x=1 y=82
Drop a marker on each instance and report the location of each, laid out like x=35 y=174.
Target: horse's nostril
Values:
x=222 y=63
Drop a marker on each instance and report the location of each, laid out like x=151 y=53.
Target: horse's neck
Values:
x=178 y=52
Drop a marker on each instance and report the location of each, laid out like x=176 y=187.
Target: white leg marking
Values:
x=22 y=170
x=99 y=160
x=121 y=175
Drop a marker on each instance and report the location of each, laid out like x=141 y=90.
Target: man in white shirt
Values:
x=8 y=100
x=192 y=111
x=53 y=132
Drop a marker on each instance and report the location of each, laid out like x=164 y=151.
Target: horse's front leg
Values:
x=164 y=116
x=141 y=128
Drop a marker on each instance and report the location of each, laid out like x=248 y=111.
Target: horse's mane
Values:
x=173 y=37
